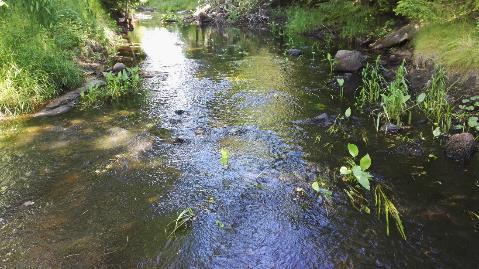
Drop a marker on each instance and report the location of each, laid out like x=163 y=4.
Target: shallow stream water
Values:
x=101 y=188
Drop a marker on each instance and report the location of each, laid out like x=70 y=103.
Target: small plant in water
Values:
x=225 y=156
x=396 y=97
x=182 y=220
x=331 y=62
x=386 y=207
x=357 y=172
x=372 y=86
x=341 y=87
x=359 y=179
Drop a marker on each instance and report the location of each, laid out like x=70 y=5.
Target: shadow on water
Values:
x=106 y=184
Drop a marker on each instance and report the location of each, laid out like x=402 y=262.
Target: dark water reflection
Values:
x=105 y=184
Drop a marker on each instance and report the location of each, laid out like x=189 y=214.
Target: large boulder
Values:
x=395 y=38
x=461 y=147
x=348 y=60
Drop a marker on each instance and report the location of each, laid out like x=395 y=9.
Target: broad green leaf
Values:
x=365 y=162
x=340 y=82
x=344 y=170
x=315 y=186
x=472 y=122
x=436 y=132
x=464 y=101
x=353 y=150
x=348 y=112
x=421 y=97
x=362 y=177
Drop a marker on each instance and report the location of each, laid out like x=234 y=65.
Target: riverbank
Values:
x=52 y=48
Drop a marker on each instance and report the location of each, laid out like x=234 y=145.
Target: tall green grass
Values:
x=40 y=46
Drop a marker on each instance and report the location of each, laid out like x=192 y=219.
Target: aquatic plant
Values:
x=434 y=102
x=225 y=156
x=331 y=62
x=372 y=84
x=182 y=220
x=354 y=174
x=357 y=172
x=126 y=83
x=340 y=82
x=396 y=97
x=385 y=206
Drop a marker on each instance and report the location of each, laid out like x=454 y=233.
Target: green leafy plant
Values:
x=355 y=171
x=125 y=84
x=395 y=99
x=359 y=178
x=331 y=62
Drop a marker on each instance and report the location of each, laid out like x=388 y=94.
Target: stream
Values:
x=102 y=188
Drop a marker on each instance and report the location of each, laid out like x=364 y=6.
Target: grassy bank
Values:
x=41 y=43
x=453 y=45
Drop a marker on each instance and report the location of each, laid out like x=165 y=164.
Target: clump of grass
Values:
x=452 y=45
x=125 y=84
x=435 y=105
x=372 y=84
x=396 y=97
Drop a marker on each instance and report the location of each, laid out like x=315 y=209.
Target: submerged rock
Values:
x=461 y=147
x=390 y=128
x=348 y=60
x=67 y=101
x=397 y=37
x=323 y=120
x=295 y=52
x=118 y=67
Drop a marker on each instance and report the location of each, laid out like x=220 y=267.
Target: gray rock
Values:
x=348 y=60
x=390 y=128
x=118 y=67
x=397 y=37
x=55 y=111
x=461 y=147
x=295 y=52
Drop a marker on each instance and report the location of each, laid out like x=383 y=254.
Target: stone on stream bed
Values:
x=67 y=101
x=295 y=52
x=461 y=147
x=348 y=60
x=390 y=128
